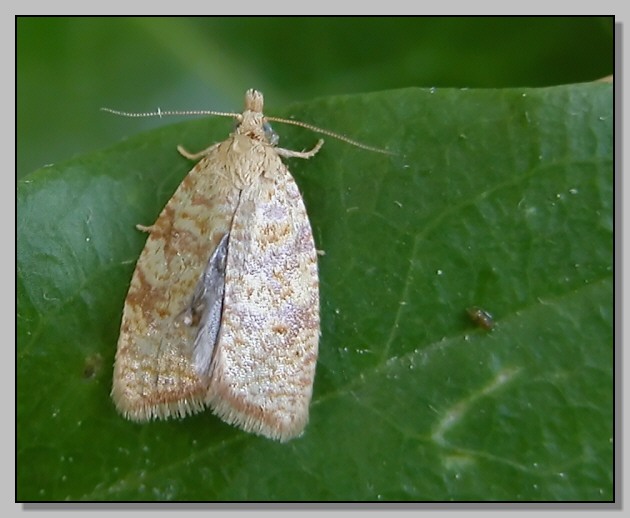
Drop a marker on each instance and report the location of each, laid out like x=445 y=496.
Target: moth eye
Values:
x=270 y=135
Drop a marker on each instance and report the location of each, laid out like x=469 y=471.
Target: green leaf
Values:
x=495 y=198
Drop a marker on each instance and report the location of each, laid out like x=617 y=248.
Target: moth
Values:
x=223 y=307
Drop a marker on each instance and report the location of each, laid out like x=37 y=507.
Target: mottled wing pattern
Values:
x=153 y=374
x=264 y=362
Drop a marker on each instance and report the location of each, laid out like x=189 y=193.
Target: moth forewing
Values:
x=264 y=364
x=153 y=372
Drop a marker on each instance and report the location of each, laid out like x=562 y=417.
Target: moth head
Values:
x=252 y=122
x=254 y=101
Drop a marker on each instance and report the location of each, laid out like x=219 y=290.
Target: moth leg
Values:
x=194 y=156
x=287 y=153
x=144 y=228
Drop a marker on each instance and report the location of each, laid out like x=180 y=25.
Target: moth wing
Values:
x=206 y=308
x=264 y=363
x=153 y=372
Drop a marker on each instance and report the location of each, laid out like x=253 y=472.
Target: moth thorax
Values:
x=255 y=126
x=270 y=135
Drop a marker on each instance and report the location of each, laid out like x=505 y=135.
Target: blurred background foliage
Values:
x=68 y=67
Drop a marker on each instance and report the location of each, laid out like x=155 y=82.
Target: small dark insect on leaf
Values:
x=480 y=317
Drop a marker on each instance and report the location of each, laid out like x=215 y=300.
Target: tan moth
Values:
x=223 y=306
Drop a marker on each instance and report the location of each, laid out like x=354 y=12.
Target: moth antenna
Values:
x=161 y=113
x=331 y=134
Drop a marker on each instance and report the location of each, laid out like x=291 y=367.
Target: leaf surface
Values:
x=495 y=198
